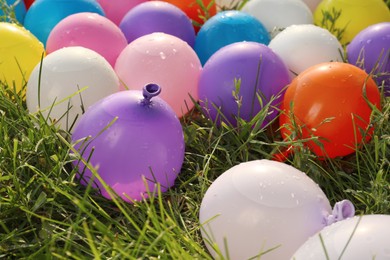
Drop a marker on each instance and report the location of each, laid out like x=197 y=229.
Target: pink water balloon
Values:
x=43 y=15
x=115 y=10
x=89 y=30
x=165 y=60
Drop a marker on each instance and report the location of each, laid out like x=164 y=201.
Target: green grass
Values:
x=46 y=213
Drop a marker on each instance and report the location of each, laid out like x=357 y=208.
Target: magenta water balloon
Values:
x=262 y=73
x=157 y=16
x=226 y=28
x=370 y=50
x=145 y=143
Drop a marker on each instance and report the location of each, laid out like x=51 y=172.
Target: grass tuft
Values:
x=45 y=213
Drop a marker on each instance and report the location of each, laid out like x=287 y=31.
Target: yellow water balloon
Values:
x=354 y=16
x=20 y=52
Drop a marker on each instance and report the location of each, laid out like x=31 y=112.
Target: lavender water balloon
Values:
x=370 y=50
x=261 y=73
x=137 y=142
x=359 y=237
x=264 y=207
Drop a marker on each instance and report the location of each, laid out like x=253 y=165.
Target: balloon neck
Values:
x=149 y=91
x=342 y=210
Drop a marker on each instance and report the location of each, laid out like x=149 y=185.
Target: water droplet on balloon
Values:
x=296 y=177
x=320 y=198
x=162 y=55
x=292 y=195
x=369 y=41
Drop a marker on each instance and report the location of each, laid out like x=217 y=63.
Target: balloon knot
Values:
x=149 y=91
x=342 y=210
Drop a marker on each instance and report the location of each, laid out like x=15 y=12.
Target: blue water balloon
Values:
x=12 y=9
x=226 y=28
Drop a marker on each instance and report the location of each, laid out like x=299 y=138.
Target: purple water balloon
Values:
x=157 y=16
x=370 y=50
x=144 y=144
x=262 y=74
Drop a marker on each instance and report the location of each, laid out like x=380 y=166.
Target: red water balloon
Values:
x=195 y=11
x=28 y=3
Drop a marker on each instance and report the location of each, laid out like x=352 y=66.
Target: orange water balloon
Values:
x=332 y=101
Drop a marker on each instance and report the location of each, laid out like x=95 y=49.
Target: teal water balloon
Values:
x=226 y=28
